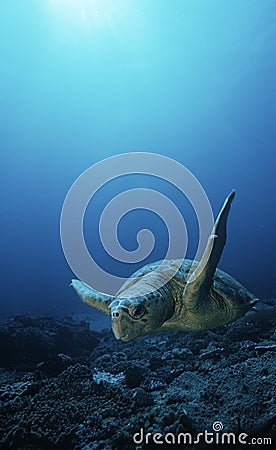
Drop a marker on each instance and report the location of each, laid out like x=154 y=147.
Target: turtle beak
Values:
x=123 y=326
x=119 y=323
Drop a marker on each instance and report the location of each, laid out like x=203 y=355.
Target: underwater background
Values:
x=85 y=80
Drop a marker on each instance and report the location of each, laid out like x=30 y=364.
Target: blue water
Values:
x=84 y=80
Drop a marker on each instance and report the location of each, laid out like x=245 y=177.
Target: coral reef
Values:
x=63 y=386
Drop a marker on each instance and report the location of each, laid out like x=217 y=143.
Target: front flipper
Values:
x=201 y=280
x=92 y=297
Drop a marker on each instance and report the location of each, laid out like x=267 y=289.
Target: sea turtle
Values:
x=207 y=299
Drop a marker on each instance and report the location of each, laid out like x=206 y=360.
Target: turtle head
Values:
x=132 y=317
x=136 y=316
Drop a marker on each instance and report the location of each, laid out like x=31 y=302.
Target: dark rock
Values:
x=52 y=367
x=133 y=376
x=211 y=353
x=261 y=349
x=153 y=384
x=156 y=363
x=142 y=398
x=28 y=340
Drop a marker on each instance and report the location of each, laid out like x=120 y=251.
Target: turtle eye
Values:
x=138 y=312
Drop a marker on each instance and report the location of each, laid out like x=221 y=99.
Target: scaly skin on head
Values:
x=134 y=317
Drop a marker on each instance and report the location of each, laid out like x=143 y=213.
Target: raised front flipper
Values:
x=92 y=297
x=201 y=280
